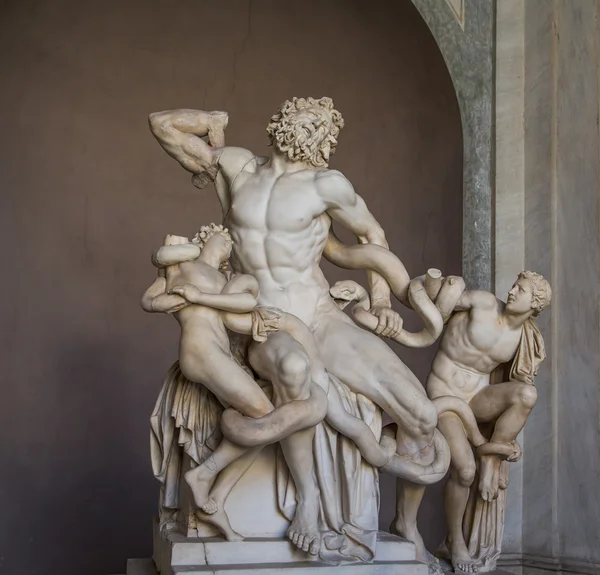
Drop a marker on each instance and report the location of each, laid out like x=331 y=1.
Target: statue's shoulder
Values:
x=329 y=180
x=485 y=306
x=328 y=175
x=334 y=187
x=232 y=160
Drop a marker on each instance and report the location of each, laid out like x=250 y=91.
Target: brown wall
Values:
x=87 y=194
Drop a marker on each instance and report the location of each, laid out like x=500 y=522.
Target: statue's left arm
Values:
x=238 y=295
x=345 y=206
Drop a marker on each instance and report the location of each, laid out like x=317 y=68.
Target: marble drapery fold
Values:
x=530 y=354
x=185 y=420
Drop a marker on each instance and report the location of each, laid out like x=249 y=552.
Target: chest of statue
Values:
x=490 y=335
x=262 y=201
x=197 y=273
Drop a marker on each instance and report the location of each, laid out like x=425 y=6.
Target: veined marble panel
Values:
x=458 y=9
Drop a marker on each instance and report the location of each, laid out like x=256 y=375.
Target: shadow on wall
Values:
x=88 y=194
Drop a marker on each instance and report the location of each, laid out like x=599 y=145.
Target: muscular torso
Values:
x=279 y=228
x=202 y=328
x=474 y=344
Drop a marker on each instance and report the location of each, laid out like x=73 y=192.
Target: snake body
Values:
x=432 y=300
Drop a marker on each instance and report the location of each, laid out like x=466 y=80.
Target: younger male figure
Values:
x=483 y=334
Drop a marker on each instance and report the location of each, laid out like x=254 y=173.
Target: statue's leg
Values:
x=456 y=495
x=368 y=366
x=304 y=529
x=201 y=477
x=508 y=404
x=408 y=500
x=375 y=453
x=224 y=483
x=226 y=379
x=356 y=429
x=233 y=386
x=283 y=361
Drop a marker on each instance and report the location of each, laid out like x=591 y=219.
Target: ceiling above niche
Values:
x=458 y=9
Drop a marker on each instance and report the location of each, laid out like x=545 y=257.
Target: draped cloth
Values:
x=185 y=420
x=530 y=353
x=265 y=320
x=483 y=523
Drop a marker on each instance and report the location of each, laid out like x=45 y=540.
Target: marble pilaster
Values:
x=464 y=32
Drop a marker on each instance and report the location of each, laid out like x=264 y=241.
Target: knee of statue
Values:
x=527 y=396
x=465 y=474
x=293 y=367
x=426 y=417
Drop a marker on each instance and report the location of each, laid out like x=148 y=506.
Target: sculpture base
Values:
x=178 y=555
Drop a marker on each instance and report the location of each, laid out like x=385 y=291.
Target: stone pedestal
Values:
x=179 y=554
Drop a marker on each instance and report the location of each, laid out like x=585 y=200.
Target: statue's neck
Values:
x=210 y=259
x=516 y=321
x=281 y=164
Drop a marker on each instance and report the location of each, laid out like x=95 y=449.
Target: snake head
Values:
x=344 y=292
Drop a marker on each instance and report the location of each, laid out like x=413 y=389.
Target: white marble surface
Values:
x=143 y=567
x=330 y=380
x=179 y=554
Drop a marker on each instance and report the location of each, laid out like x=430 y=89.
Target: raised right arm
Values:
x=180 y=134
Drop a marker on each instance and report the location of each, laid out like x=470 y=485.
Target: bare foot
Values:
x=460 y=558
x=304 y=529
x=489 y=477
x=421 y=553
x=199 y=479
x=220 y=520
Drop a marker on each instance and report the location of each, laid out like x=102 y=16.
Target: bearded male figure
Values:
x=279 y=211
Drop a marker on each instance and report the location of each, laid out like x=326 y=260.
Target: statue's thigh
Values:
x=266 y=357
x=359 y=357
x=493 y=400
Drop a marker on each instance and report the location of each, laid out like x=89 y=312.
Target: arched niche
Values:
x=464 y=31
x=82 y=77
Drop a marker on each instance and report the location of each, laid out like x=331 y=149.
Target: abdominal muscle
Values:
x=449 y=377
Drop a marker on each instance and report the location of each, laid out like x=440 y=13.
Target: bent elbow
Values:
x=252 y=303
x=157 y=122
x=154 y=120
x=155 y=258
x=146 y=303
